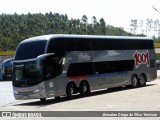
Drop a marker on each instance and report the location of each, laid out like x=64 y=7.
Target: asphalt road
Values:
x=121 y=99
x=6 y=93
x=124 y=99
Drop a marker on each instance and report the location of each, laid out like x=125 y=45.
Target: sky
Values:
x=117 y=13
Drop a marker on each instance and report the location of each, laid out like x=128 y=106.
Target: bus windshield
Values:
x=26 y=74
x=30 y=50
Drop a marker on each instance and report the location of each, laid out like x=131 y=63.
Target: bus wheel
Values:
x=70 y=90
x=57 y=97
x=43 y=99
x=142 y=80
x=134 y=81
x=84 y=88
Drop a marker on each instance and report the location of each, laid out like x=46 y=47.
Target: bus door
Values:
x=60 y=79
x=52 y=70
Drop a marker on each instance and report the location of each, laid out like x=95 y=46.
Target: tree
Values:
x=102 y=22
x=94 y=20
x=103 y=25
x=15 y=28
x=84 y=19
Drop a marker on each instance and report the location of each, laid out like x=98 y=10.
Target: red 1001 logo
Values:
x=141 y=58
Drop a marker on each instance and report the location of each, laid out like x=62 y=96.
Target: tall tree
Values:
x=94 y=20
x=134 y=26
x=84 y=19
x=15 y=28
x=103 y=25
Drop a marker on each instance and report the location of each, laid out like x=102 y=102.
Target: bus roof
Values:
x=50 y=36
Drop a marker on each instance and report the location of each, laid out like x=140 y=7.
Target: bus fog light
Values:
x=38 y=90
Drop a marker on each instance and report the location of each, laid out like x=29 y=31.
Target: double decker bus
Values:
x=62 y=65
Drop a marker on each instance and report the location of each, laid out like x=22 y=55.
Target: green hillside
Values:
x=14 y=28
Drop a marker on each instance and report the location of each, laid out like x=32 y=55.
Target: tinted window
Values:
x=30 y=50
x=138 y=44
x=77 y=44
x=26 y=74
x=121 y=44
x=68 y=44
x=88 y=44
x=56 y=45
x=114 y=66
x=81 y=69
x=51 y=67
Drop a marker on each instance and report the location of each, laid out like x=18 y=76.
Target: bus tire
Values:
x=43 y=99
x=57 y=97
x=142 y=80
x=84 y=88
x=134 y=81
x=70 y=90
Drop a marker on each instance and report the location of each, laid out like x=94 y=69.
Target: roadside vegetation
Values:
x=15 y=28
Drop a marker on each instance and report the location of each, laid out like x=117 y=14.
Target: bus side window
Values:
x=48 y=69
x=52 y=66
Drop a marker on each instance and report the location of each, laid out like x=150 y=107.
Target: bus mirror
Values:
x=44 y=55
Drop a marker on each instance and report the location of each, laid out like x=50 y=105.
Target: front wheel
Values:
x=134 y=81
x=84 y=89
x=142 y=80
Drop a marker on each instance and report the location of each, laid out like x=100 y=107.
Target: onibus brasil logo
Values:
x=141 y=58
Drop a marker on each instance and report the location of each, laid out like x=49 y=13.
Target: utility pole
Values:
x=158 y=23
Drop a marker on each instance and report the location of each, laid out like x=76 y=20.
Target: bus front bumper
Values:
x=34 y=92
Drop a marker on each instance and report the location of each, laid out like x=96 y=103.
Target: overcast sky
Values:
x=115 y=12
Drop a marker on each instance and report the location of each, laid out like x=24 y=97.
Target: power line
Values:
x=156 y=9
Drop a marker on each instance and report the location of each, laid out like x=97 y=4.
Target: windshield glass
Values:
x=29 y=50
x=26 y=74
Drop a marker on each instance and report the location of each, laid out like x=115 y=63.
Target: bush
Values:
x=158 y=56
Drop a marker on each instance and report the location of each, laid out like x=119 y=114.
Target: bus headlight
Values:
x=38 y=90
x=15 y=92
